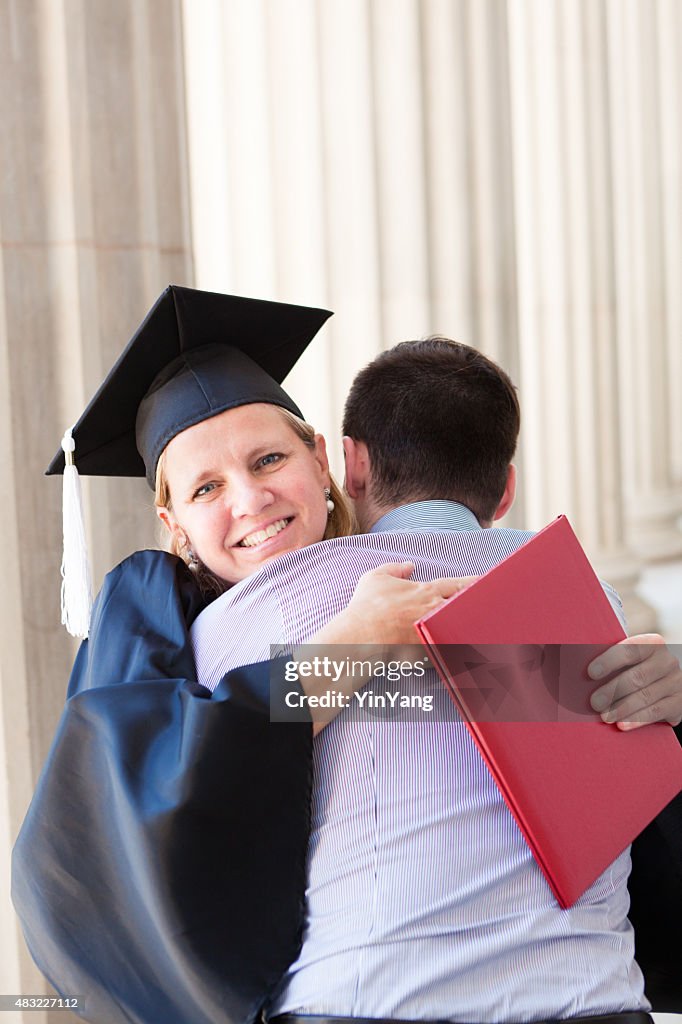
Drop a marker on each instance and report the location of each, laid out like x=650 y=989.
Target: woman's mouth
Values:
x=252 y=540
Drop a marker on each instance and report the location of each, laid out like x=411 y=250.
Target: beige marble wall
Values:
x=94 y=222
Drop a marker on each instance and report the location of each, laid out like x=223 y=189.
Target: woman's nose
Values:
x=248 y=497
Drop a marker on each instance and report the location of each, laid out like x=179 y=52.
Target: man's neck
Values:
x=367 y=513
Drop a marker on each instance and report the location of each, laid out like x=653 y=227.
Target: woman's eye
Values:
x=202 y=491
x=271 y=459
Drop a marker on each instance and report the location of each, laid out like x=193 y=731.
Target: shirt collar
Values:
x=428 y=515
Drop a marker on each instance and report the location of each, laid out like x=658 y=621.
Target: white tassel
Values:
x=76 y=580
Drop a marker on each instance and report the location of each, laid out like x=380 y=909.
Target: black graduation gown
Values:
x=160 y=872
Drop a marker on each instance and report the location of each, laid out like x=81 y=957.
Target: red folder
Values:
x=580 y=790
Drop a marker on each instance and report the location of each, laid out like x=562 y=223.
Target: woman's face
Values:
x=244 y=488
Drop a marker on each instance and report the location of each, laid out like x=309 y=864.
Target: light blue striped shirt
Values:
x=423 y=898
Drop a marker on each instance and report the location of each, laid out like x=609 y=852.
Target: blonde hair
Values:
x=340 y=522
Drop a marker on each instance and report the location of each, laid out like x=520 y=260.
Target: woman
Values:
x=160 y=870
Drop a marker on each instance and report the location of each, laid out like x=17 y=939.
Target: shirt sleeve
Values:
x=616 y=603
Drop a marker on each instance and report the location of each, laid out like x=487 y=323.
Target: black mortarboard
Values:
x=195 y=355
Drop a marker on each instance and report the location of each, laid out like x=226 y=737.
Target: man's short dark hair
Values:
x=440 y=420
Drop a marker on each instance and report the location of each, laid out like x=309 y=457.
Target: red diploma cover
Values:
x=513 y=650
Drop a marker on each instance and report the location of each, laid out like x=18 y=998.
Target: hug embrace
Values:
x=185 y=859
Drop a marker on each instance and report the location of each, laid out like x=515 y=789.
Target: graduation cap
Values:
x=196 y=354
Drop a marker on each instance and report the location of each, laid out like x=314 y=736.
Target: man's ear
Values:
x=507 y=499
x=357 y=467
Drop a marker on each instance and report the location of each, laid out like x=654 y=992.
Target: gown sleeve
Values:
x=160 y=872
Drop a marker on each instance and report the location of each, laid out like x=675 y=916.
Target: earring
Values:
x=330 y=503
x=191 y=560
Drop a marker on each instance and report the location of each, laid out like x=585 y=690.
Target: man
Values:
x=439 y=877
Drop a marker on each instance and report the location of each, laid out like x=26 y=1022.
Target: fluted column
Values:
x=669 y=47
x=567 y=322
x=256 y=148
x=16 y=755
x=647 y=274
x=445 y=49
x=401 y=174
x=350 y=196
x=93 y=224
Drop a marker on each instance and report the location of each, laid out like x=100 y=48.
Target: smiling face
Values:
x=244 y=488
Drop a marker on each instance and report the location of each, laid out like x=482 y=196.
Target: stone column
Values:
x=566 y=283
x=643 y=39
x=472 y=253
x=669 y=45
x=398 y=130
x=351 y=186
x=448 y=155
x=256 y=145
x=93 y=224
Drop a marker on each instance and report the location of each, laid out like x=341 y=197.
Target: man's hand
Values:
x=645 y=683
